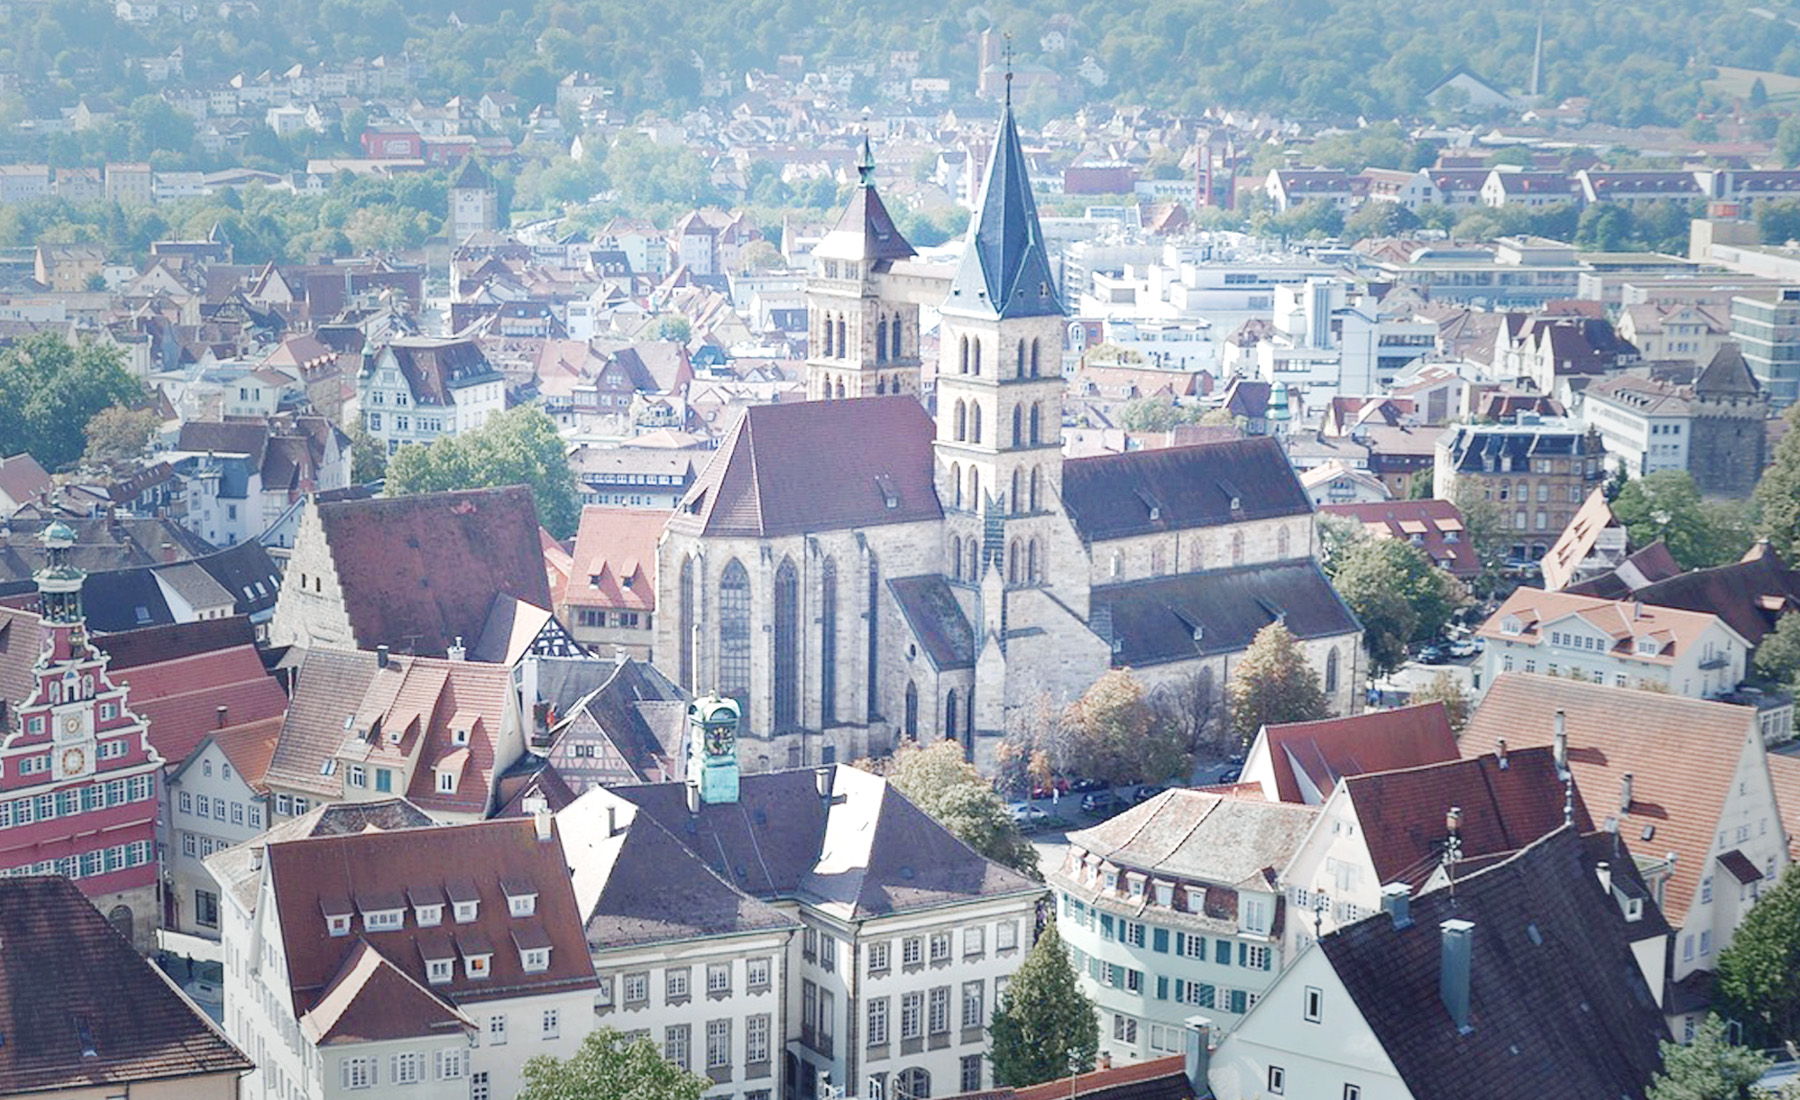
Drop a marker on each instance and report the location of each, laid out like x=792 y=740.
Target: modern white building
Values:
x=1173 y=908
x=1645 y=425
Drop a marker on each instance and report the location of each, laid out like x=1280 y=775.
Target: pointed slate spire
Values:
x=865 y=162
x=865 y=231
x=1005 y=271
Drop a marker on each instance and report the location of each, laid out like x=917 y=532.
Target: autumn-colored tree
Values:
x=1117 y=736
x=1447 y=689
x=1273 y=684
x=117 y=438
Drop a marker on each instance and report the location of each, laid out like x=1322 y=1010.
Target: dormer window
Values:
x=478 y=965
x=521 y=898
x=1647 y=647
x=446 y=781
x=383 y=920
x=1196 y=899
x=338 y=924
x=459 y=736
x=337 y=913
x=536 y=960
x=1112 y=881
x=467 y=911
x=1511 y=625
x=428 y=916
x=439 y=971
x=1165 y=894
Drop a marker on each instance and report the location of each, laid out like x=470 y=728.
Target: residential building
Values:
x=1435 y=527
x=1291 y=187
x=394 y=963
x=1335 y=483
x=216 y=799
x=1679 y=330
x=1593 y=542
x=905 y=940
x=609 y=603
x=634 y=477
x=630 y=727
x=78 y=774
x=1414 y=827
x=1531 y=188
x=1644 y=425
x=1173 y=908
x=1686 y=780
x=418 y=389
x=87 y=1018
x=22 y=480
x=1537 y=471
x=1524 y=983
x=1625 y=643
x=1302 y=762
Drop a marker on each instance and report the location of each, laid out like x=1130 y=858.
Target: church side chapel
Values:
x=860 y=569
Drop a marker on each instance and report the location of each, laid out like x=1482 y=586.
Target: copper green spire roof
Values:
x=1005 y=271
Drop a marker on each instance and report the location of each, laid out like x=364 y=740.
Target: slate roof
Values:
x=873 y=854
x=936 y=619
x=1005 y=271
x=1477 y=449
x=1727 y=373
x=372 y=869
x=1749 y=595
x=815 y=466
x=1218 y=611
x=1377 y=740
x=436 y=367
x=1558 y=1006
x=418 y=572
x=1401 y=813
x=156 y=644
x=1640 y=568
x=238 y=869
x=248 y=573
x=1175 y=488
x=642 y=712
x=635 y=883
x=124 y=599
x=69 y=983
x=1201 y=837
x=865 y=231
x=180 y=697
x=1682 y=755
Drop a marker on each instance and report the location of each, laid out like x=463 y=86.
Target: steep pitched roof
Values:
x=1750 y=594
x=1727 y=373
x=1334 y=748
x=1559 y=1007
x=614 y=562
x=181 y=698
x=371 y=1000
x=865 y=231
x=1174 y=488
x=1577 y=540
x=1217 y=611
x=239 y=867
x=1436 y=524
x=1005 y=271
x=1202 y=837
x=420 y=571
x=1682 y=755
x=1504 y=808
x=80 y=1010
x=1674 y=630
x=788 y=469
x=936 y=619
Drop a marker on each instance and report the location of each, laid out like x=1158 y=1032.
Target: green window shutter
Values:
x=1180 y=990
x=1162 y=988
x=1159 y=940
x=1222 y=952
x=1181 y=943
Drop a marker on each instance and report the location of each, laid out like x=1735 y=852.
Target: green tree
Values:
x=517 y=447
x=675 y=327
x=610 y=1066
x=1756 y=975
x=50 y=389
x=1157 y=414
x=368 y=457
x=1044 y=1027
x=1777 y=496
x=1273 y=684
x=117 y=437
x=1447 y=689
x=1778 y=657
x=1399 y=595
x=1787 y=141
x=937 y=779
x=1709 y=1068
x=1117 y=736
x=1379 y=219
x=1666 y=505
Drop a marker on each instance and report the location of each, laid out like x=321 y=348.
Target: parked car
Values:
x=1433 y=655
x=1464 y=647
x=1231 y=776
x=1026 y=816
x=1147 y=791
x=1102 y=802
x=1083 y=786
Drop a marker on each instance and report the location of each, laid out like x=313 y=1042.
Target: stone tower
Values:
x=1729 y=439
x=863 y=341
x=474 y=202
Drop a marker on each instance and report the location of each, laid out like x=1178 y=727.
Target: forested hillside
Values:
x=1641 y=61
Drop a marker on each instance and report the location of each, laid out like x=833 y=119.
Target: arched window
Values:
x=895 y=333
x=974 y=489
x=1013 y=503
x=969 y=725
x=685 y=642
x=964 y=368
x=734 y=635
x=912 y=1084
x=1034 y=425
x=956 y=557
x=1034 y=357
x=840 y=389
x=1019 y=371
x=950 y=716
x=1031 y=561
x=828 y=626
x=1012 y=562
x=787 y=646
x=961 y=421
x=881 y=385
x=1281 y=542
x=974 y=558
x=1018 y=435
x=881 y=344
x=975 y=359
x=956 y=481
x=974 y=422
x=119 y=916
x=1034 y=489
x=1237 y=548
x=912 y=711
x=872 y=707
x=825 y=339
x=56 y=691
x=843 y=344
x=1331 y=671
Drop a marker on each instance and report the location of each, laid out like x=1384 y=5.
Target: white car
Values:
x=1025 y=815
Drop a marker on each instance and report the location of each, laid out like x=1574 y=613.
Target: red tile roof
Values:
x=1438 y=524
x=1102 y=1083
x=1682 y=755
x=1784 y=775
x=69 y=981
x=180 y=698
x=1674 y=630
x=381 y=869
x=250 y=746
x=1379 y=740
x=614 y=563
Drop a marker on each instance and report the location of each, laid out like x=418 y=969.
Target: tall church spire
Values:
x=1005 y=271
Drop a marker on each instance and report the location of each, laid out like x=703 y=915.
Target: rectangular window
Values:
x=827 y=952
x=676 y=1040
x=359 y=1073
x=1134 y=934
x=451 y=1065
x=912 y=1015
x=878 y=1021
x=478 y=1087
x=186 y=802
x=1125 y=1029
x=912 y=951
x=756 y=1039
x=675 y=984
x=637 y=988
x=408 y=1068
x=940 y=947
x=718 y=1043
x=1352 y=1092
x=1313 y=1004
x=497 y=1030
x=940 y=1010
x=827 y=1020
x=1277 y=1080
x=718 y=979
x=971 y=1072
x=973 y=942
x=972 y=1006
x=1006 y=935
x=878 y=958
x=756 y=973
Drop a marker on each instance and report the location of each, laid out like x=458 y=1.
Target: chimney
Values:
x=221 y=716
x=693 y=797
x=457 y=652
x=1637 y=610
x=256 y=858
x=1604 y=870
x=1453 y=972
x=1625 y=793
x=822 y=782
x=381 y=656
x=613 y=828
x=1500 y=752
x=541 y=818
x=1561 y=744
x=1199 y=1053
x=620 y=656
x=1396 y=902
x=168 y=553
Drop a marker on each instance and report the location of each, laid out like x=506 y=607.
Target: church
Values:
x=878 y=563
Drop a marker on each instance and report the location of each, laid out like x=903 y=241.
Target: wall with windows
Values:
x=211 y=808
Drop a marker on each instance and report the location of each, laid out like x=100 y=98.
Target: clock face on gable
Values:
x=72 y=761
x=74 y=723
x=719 y=740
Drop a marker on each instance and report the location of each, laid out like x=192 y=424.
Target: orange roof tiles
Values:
x=1380 y=740
x=614 y=564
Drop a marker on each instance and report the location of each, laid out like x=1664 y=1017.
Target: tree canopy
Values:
x=1044 y=1026
x=117 y=437
x=1116 y=735
x=1778 y=655
x=50 y=389
x=1667 y=505
x=518 y=447
x=610 y=1066
x=1777 y=496
x=1273 y=684
x=1709 y=1068
x=1397 y=593
x=1756 y=975
x=937 y=779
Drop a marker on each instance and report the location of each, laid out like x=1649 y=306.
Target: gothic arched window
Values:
x=1331 y=671
x=1031 y=561
x=956 y=483
x=1034 y=357
x=974 y=422
x=734 y=635
x=950 y=715
x=881 y=343
x=1237 y=548
x=895 y=333
x=1012 y=563
x=843 y=344
x=1019 y=369
x=912 y=711
x=828 y=616
x=1034 y=489
x=974 y=489
x=1281 y=542
x=1034 y=425
x=1018 y=435
x=975 y=361
x=787 y=646
x=956 y=557
x=962 y=421
x=974 y=558
x=685 y=643
x=1013 y=502
x=964 y=368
